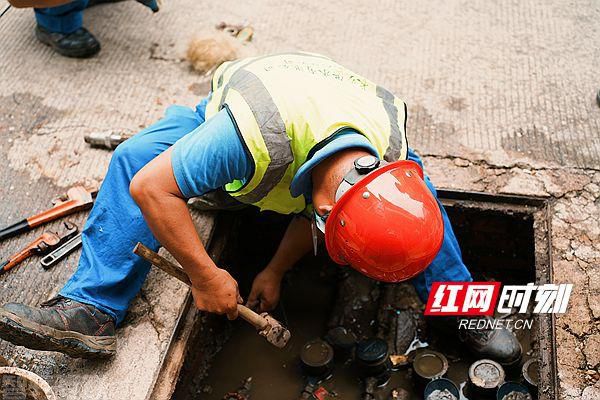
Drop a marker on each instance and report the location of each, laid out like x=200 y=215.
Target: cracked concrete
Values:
x=500 y=96
x=575 y=225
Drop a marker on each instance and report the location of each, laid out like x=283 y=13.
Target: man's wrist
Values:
x=277 y=270
x=200 y=275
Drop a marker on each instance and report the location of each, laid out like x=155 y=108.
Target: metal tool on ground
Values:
x=76 y=199
x=61 y=252
x=43 y=244
x=106 y=140
x=267 y=326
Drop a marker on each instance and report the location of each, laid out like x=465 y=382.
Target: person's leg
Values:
x=61 y=28
x=498 y=344
x=447 y=265
x=80 y=322
x=109 y=275
x=62 y=19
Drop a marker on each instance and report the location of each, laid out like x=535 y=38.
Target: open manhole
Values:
x=502 y=238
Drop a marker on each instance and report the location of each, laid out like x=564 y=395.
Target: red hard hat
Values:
x=388 y=225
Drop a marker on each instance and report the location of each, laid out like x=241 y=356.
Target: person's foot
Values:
x=500 y=345
x=92 y=3
x=151 y=4
x=64 y=325
x=78 y=44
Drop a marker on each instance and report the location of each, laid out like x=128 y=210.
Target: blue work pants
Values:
x=62 y=19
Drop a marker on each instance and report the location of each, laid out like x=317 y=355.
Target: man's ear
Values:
x=324 y=209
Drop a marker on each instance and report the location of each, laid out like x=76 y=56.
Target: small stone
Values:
x=400 y=394
x=206 y=389
x=461 y=162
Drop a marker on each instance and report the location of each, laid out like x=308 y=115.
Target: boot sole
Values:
x=32 y=335
x=76 y=53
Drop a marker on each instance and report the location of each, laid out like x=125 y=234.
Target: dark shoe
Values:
x=78 y=44
x=76 y=329
x=92 y=3
x=151 y=4
x=500 y=344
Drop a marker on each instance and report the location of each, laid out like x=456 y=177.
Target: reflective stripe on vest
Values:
x=271 y=127
x=393 y=152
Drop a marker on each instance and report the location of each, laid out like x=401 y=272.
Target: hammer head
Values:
x=274 y=332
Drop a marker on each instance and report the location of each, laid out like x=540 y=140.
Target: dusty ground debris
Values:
x=206 y=52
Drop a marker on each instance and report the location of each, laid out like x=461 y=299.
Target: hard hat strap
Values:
x=362 y=167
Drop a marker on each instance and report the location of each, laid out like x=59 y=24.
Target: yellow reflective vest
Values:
x=284 y=105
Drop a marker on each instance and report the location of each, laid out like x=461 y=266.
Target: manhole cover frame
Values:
x=539 y=209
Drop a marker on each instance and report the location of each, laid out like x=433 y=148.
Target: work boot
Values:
x=500 y=345
x=92 y=3
x=78 y=44
x=76 y=329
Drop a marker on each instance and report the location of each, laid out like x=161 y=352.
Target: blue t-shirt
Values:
x=213 y=155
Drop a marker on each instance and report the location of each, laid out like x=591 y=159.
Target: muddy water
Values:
x=276 y=374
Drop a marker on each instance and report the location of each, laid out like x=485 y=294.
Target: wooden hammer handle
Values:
x=250 y=316
x=167 y=266
x=176 y=271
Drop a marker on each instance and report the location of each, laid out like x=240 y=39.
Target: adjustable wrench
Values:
x=43 y=244
x=63 y=251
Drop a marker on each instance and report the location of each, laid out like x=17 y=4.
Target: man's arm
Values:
x=296 y=242
x=156 y=192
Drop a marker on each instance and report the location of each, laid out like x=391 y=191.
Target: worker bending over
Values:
x=292 y=133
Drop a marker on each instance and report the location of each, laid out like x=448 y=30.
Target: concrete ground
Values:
x=501 y=99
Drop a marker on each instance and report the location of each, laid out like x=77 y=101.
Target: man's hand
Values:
x=218 y=293
x=265 y=290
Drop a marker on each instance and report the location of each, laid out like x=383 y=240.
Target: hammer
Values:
x=267 y=326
